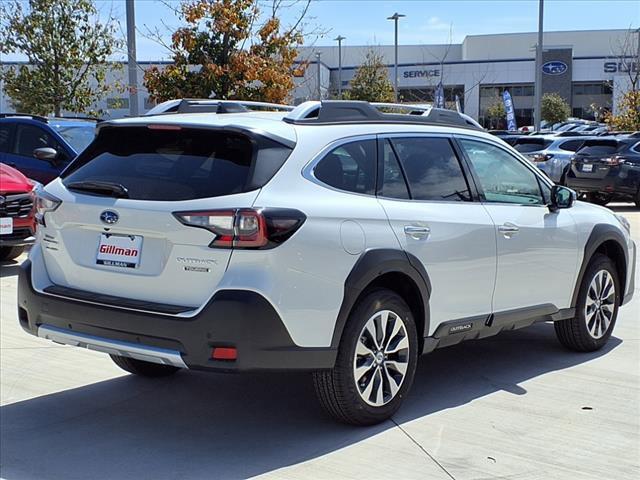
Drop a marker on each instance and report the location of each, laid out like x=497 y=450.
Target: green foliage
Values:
x=67 y=48
x=628 y=117
x=496 y=113
x=554 y=108
x=371 y=81
x=227 y=50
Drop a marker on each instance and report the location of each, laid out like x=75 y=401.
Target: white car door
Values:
x=537 y=248
x=436 y=220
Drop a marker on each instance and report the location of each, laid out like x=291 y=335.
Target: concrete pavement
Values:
x=513 y=406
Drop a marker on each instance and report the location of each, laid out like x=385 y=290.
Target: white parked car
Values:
x=338 y=239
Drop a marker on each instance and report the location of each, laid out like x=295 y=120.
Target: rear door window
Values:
x=350 y=167
x=174 y=165
x=432 y=169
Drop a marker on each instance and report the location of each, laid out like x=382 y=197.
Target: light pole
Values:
x=395 y=17
x=131 y=60
x=339 y=39
x=538 y=77
x=319 y=78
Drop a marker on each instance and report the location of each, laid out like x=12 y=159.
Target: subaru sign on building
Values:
x=554 y=68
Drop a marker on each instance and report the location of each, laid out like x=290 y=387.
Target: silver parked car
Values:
x=550 y=153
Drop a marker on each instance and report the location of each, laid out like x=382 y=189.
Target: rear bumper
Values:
x=620 y=182
x=232 y=318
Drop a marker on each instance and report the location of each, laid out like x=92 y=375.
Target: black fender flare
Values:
x=371 y=265
x=601 y=233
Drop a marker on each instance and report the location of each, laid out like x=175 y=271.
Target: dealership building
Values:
x=582 y=66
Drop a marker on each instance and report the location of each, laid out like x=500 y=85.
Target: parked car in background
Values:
x=17 y=223
x=42 y=147
x=509 y=137
x=550 y=153
x=606 y=169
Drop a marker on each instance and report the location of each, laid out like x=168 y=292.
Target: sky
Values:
x=364 y=22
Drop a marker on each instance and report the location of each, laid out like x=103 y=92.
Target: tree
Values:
x=554 y=108
x=229 y=50
x=67 y=49
x=628 y=117
x=371 y=81
x=496 y=113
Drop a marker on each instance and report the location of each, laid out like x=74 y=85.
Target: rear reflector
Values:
x=224 y=353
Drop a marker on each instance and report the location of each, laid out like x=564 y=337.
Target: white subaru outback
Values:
x=334 y=238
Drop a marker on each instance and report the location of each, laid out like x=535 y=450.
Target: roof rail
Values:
x=213 y=105
x=79 y=117
x=336 y=112
x=26 y=115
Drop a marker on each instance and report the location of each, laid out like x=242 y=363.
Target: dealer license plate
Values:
x=119 y=250
x=6 y=226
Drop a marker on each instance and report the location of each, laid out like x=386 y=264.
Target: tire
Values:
x=590 y=332
x=563 y=177
x=144 y=369
x=599 y=198
x=337 y=390
x=10 y=253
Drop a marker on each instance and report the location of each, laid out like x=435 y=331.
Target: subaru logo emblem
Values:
x=554 y=68
x=109 y=217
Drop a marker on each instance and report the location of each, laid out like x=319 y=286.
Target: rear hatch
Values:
x=595 y=159
x=532 y=145
x=116 y=233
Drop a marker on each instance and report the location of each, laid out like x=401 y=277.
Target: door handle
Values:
x=416 y=232
x=508 y=229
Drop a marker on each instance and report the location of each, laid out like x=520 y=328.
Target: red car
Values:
x=17 y=212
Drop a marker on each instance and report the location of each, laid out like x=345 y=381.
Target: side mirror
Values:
x=46 y=153
x=562 y=197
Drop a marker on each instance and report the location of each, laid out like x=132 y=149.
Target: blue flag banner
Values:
x=511 y=114
x=439 y=96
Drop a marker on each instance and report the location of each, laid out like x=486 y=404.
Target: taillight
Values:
x=614 y=161
x=245 y=227
x=45 y=202
x=540 y=157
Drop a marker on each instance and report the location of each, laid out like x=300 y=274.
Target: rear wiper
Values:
x=107 y=189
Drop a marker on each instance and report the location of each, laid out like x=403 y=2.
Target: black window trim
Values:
x=466 y=172
x=541 y=178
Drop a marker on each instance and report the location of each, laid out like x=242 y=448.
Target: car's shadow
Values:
x=198 y=425
x=9 y=268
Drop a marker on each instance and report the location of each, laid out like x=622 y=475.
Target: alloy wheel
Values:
x=381 y=358
x=600 y=304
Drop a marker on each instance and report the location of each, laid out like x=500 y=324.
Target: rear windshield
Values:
x=172 y=165
x=526 y=145
x=599 y=147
